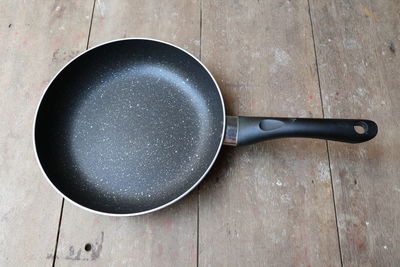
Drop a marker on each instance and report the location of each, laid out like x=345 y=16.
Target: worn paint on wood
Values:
x=356 y=44
x=37 y=38
x=268 y=204
x=167 y=237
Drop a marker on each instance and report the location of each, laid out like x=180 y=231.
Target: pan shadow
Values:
x=228 y=155
x=219 y=170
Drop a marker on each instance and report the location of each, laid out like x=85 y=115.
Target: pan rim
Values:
x=161 y=206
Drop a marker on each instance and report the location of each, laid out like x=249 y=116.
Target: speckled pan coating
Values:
x=129 y=126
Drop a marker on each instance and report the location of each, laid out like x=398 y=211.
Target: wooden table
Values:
x=280 y=203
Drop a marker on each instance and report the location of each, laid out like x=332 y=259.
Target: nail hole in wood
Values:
x=392 y=48
x=88 y=247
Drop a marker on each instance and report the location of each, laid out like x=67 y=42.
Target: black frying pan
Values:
x=133 y=125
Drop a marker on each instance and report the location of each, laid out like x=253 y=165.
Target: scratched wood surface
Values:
x=165 y=238
x=356 y=44
x=33 y=47
x=271 y=204
x=268 y=204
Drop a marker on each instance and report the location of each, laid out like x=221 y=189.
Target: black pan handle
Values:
x=250 y=130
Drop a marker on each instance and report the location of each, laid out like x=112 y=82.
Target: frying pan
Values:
x=133 y=125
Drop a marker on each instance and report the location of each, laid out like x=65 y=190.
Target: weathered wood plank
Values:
x=269 y=204
x=359 y=66
x=37 y=38
x=167 y=237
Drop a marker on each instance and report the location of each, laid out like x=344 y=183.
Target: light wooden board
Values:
x=268 y=204
x=164 y=238
x=357 y=49
x=37 y=38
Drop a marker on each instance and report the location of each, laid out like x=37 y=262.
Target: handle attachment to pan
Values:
x=248 y=130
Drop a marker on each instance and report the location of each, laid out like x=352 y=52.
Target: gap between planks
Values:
x=326 y=142
x=198 y=187
x=63 y=200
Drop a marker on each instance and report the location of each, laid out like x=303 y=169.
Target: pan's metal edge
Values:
x=147 y=211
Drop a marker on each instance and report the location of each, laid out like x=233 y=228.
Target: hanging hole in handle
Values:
x=360 y=127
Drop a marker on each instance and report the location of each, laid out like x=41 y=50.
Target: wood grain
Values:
x=268 y=204
x=164 y=238
x=358 y=62
x=37 y=38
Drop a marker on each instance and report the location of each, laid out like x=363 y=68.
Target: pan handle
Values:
x=248 y=130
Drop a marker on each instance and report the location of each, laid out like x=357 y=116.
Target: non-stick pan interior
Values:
x=129 y=126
